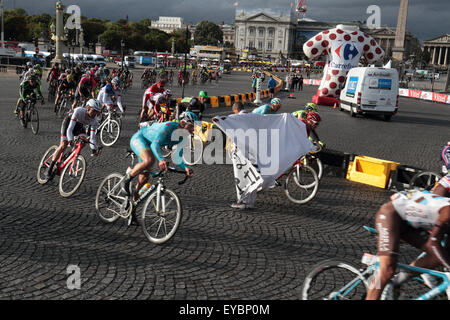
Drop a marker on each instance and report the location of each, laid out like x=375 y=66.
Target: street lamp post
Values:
x=58 y=32
x=81 y=40
x=122 y=46
x=3 y=26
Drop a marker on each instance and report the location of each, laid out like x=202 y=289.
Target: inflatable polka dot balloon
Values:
x=343 y=46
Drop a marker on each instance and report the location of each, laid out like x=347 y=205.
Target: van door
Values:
x=379 y=92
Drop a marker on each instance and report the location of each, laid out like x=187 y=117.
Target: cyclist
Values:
x=53 y=75
x=74 y=125
x=147 y=143
x=272 y=108
x=109 y=91
x=155 y=112
x=408 y=216
x=27 y=88
x=309 y=107
x=196 y=105
x=67 y=84
x=146 y=101
x=38 y=72
x=28 y=67
x=85 y=89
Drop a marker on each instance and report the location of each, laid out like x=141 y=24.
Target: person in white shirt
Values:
x=108 y=92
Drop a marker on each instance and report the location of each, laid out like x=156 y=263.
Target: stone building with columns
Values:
x=266 y=33
x=439 y=50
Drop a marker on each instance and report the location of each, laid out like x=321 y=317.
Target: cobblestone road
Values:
x=217 y=253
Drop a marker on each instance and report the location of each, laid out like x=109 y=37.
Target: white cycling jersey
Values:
x=79 y=116
x=419 y=208
x=105 y=97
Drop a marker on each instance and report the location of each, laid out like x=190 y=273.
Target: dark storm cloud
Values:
x=426 y=19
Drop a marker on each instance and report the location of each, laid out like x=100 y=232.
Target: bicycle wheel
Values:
x=301 y=184
x=61 y=108
x=160 y=226
x=72 y=176
x=424 y=180
x=44 y=164
x=193 y=153
x=108 y=203
x=316 y=164
x=334 y=280
x=34 y=120
x=110 y=132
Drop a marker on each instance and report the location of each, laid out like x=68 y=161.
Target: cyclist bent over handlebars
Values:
x=73 y=125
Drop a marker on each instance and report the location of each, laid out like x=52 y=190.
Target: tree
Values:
x=16 y=28
x=208 y=33
x=179 y=36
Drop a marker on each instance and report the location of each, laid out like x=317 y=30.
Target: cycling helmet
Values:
x=275 y=101
x=68 y=71
x=94 y=104
x=189 y=117
x=167 y=92
x=446 y=156
x=313 y=116
x=69 y=77
x=29 y=64
x=115 y=81
x=311 y=106
x=203 y=94
x=109 y=89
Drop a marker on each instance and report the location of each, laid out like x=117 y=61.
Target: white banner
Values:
x=246 y=177
x=273 y=142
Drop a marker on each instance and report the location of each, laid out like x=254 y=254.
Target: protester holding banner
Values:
x=265 y=146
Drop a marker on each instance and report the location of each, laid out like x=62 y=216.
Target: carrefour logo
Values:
x=347 y=51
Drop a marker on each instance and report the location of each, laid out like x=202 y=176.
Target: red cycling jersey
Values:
x=149 y=93
x=54 y=74
x=87 y=83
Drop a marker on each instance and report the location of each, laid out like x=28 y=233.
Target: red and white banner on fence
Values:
x=411 y=93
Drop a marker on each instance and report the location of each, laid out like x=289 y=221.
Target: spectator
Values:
x=254 y=82
x=300 y=83
x=271 y=86
x=238 y=108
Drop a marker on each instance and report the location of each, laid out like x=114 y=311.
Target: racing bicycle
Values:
x=110 y=127
x=342 y=280
x=161 y=213
x=302 y=182
x=71 y=167
x=30 y=113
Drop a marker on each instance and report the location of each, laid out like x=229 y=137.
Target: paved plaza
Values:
x=217 y=252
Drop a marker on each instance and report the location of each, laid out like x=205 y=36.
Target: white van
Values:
x=371 y=90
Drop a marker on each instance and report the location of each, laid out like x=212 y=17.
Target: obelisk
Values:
x=400 y=34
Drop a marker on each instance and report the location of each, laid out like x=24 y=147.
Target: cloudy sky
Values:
x=427 y=18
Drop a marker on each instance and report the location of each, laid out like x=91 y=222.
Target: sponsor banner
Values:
x=415 y=93
x=426 y=95
x=442 y=98
x=403 y=92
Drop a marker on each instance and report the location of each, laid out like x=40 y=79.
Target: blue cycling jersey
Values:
x=265 y=109
x=156 y=136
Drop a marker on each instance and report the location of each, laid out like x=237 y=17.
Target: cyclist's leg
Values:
x=76 y=99
x=141 y=147
x=388 y=224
